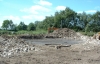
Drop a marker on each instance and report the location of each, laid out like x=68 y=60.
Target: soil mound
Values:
x=25 y=36
x=39 y=36
x=61 y=33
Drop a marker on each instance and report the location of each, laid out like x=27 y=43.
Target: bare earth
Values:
x=82 y=49
x=50 y=55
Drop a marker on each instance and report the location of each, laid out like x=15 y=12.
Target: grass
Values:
x=22 y=32
x=40 y=31
x=88 y=33
x=32 y=32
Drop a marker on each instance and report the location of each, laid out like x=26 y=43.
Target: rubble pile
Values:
x=61 y=33
x=11 y=47
x=89 y=42
x=96 y=36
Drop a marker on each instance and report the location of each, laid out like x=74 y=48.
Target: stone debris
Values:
x=96 y=36
x=11 y=47
x=89 y=43
x=57 y=46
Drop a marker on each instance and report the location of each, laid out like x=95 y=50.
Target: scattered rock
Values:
x=12 y=47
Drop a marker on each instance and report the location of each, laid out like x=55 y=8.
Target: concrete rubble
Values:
x=11 y=47
x=89 y=42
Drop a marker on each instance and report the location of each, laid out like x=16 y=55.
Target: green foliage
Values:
x=8 y=25
x=31 y=26
x=39 y=25
x=88 y=33
x=5 y=24
x=22 y=26
x=48 y=22
x=67 y=18
x=5 y=32
x=63 y=18
x=32 y=32
x=40 y=31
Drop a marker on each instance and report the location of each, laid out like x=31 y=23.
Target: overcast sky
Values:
x=32 y=10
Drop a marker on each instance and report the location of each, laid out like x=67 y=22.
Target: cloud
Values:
x=27 y=17
x=29 y=10
x=88 y=11
x=44 y=3
x=80 y=12
x=91 y=11
x=11 y=17
x=97 y=7
x=39 y=17
x=35 y=9
x=35 y=17
x=38 y=11
x=58 y=8
x=15 y=19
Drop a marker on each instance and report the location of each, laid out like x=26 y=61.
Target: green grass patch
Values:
x=2 y=32
x=88 y=33
x=32 y=32
x=40 y=32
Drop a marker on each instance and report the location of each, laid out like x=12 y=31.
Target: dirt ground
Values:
x=50 y=55
x=20 y=51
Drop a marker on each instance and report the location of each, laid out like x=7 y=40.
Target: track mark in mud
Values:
x=77 y=59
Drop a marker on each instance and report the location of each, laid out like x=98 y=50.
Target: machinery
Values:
x=51 y=29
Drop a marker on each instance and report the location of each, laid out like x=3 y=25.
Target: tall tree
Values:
x=39 y=25
x=22 y=26
x=5 y=24
x=48 y=22
x=94 y=24
x=31 y=26
x=8 y=24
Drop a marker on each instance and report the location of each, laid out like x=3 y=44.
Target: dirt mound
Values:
x=35 y=36
x=61 y=33
x=39 y=36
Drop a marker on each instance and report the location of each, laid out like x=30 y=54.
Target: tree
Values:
x=5 y=24
x=39 y=25
x=31 y=26
x=64 y=18
x=93 y=23
x=12 y=26
x=48 y=22
x=57 y=20
x=22 y=26
x=8 y=24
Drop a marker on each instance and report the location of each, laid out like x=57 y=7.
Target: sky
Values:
x=36 y=10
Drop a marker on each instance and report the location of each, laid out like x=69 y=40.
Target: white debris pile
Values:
x=11 y=47
x=89 y=43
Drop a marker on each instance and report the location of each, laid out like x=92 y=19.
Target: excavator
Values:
x=51 y=29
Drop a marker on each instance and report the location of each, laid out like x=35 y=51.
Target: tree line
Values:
x=67 y=18
x=9 y=25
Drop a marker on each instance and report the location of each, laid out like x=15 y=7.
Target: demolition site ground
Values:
x=63 y=46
